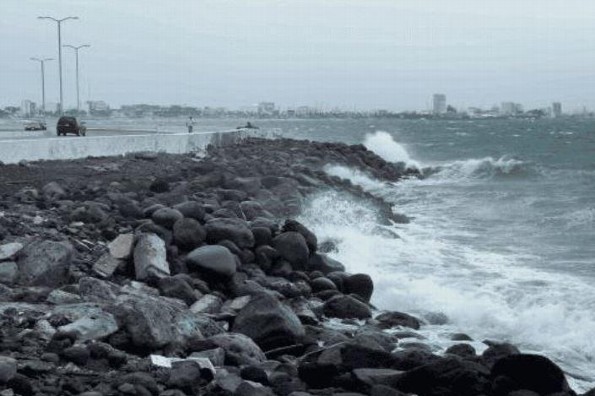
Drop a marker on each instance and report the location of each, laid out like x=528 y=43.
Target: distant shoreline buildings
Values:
x=440 y=110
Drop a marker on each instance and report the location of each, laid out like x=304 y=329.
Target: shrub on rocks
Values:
x=212 y=260
x=346 y=307
x=292 y=247
x=269 y=323
x=188 y=234
x=44 y=263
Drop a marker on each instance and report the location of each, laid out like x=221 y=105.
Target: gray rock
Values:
x=121 y=247
x=269 y=323
x=191 y=209
x=106 y=265
x=213 y=259
x=53 y=191
x=8 y=369
x=188 y=234
x=166 y=217
x=209 y=304
x=8 y=272
x=150 y=257
x=150 y=321
x=60 y=297
x=292 y=247
x=98 y=291
x=377 y=376
x=177 y=287
x=9 y=250
x=215 y=355
x=346 y=307
x=236 y=230
x=239 y=349
x=45 y=263
x=92 y=327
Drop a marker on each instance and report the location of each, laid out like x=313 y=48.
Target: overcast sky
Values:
x=349 y=53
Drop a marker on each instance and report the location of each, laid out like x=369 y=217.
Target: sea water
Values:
x=501 y=245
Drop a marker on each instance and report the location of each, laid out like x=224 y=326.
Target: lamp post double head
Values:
x=59 y=23
x=42 y=63
x=76 y=50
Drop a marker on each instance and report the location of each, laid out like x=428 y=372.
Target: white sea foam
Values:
x=479 y=168
x=383 y=144
x=487 y=294
x=355 y=176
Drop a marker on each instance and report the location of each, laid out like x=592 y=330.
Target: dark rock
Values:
x=392 y=319
x=262 y=236
x=292 y=247
x=295 y=226
x=144 y=380
x=45 y=263
x=411 y=358
x=265 y=256
x=531 y=372
x=445 y=377
x=359 y=284
x=323 y=263
x=376 y=376
x=213 y=260
x=269 y=323
x=383 y=390
x=21 y=385
x=191 y=209
x=166 y=217
x=255 y=374
x=177 y=287
x=159 y=186
x=322 y=283
x=253 y=209
x=462 y=350
x=188 y=234
x=185 y=375
x=236 y=230
x=78 y=354
x=497 y=351
x=461 y=337
x=359 y=356
x=346 y=307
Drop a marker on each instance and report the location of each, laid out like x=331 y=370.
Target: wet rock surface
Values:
x=125 y=276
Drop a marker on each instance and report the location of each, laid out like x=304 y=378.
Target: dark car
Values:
x=35 y=126
x=70 y=125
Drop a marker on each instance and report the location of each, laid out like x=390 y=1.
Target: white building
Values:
x=557 y=109
x=267 y=108
x=28 y=108
x=439 y=104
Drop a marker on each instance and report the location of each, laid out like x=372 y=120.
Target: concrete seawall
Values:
x=13 y=151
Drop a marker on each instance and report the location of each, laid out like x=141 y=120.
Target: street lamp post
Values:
x=59 y=22
x=76 y=50
x=42 y=63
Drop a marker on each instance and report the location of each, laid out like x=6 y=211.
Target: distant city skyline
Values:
x=341 y=53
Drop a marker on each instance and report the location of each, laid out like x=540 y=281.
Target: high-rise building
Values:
x=557 y=109
x=28 y=108
x=439 y=104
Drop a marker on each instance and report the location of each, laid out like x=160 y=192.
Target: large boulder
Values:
x=309 y=236
x=359 y=284
x=213 y=260
x=45 y=263
x=188 y=234
x=269 y=323
x=150 y=258
x=9 y=250
x=446 y=377
x=346 y=307
x=121 y=247
x=531 y=372
x=236 y=230
x=292 y=247
x=92 y=327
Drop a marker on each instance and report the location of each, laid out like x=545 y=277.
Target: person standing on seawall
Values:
x=190 y=124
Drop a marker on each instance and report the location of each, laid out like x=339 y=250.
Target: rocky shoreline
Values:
x=174 y=275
